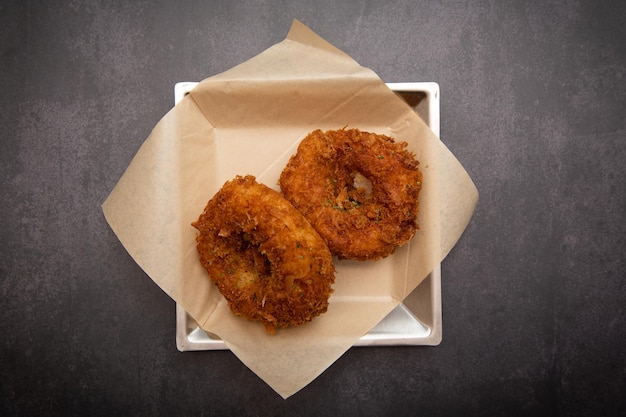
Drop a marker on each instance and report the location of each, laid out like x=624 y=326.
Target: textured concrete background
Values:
x=533 y=105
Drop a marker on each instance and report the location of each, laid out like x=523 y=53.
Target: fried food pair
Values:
x=359 y=190
x=264 y=256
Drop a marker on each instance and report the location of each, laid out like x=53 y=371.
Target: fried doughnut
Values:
x=359 y=190
x=263 y=255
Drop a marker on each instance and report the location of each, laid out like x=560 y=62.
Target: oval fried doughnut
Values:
x=263 y=255
x=359 y=190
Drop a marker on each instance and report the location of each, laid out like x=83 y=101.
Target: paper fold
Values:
x=249 y=120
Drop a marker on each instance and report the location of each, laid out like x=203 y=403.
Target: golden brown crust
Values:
x=264 y=256
x=358 y=189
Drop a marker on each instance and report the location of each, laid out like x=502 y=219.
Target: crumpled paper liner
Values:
x=249 y=120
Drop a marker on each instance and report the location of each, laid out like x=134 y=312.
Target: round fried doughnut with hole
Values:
x=359 y=190
x=263 y=255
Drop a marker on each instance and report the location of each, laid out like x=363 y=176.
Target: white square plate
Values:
x=417 y=320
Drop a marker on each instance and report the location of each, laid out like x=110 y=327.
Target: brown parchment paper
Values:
x=249 y=120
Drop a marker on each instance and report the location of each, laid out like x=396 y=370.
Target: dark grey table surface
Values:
x=532 y=103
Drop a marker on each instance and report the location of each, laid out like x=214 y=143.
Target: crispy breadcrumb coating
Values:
x=264 y=256
x=359 y=190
